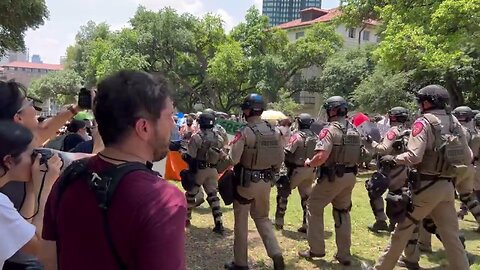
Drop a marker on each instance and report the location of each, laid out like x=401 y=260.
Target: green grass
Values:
x=206 y=250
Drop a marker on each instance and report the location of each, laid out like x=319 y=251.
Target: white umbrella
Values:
x=271 y=115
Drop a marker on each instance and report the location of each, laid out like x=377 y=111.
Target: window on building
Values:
x=299 y=35
x=351 y=32
x=366 y=35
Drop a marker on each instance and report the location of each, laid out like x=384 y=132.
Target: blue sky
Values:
x=51 y=39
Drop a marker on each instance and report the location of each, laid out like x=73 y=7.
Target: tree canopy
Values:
x=17 y=17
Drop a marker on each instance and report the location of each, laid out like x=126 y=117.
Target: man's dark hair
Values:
x=125 y=97
x=76 y=125
x=11 y=99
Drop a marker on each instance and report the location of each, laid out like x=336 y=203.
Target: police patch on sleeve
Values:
x=417 y=128
x=391 y=135
x=323 y=133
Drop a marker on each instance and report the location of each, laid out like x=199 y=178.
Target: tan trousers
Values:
x=438 y=201
x=339 y=194
x=259 y=210
x=208 y=179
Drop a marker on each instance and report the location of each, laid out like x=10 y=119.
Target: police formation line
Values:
x=420 y=168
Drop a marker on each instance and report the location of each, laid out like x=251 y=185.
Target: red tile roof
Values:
x=329 y=16
x=20 y=64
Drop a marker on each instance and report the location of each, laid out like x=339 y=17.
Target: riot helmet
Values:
x=463 y=113
x=304 y=120
x=477 y=119
x=437 y=95
x=253 y=102
x=210 y=111
x=206 y=120
x=336 y=103
x=398 y=115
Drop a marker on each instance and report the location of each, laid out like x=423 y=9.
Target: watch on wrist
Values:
x=72 y=109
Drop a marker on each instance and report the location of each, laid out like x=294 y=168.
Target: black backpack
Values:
x=103 y=185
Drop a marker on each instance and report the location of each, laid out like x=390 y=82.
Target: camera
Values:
x=85 y=99
x=46 y=154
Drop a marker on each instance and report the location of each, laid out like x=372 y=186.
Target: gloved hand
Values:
x=368 y=139
x=388 y=160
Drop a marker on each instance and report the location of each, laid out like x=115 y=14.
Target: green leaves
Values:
x=17 y=17
x=62 y=86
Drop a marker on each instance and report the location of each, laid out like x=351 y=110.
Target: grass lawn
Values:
x=206 y=250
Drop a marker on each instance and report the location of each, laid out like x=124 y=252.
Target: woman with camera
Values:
x=21 y=230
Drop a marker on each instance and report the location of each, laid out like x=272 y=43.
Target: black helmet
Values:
x=305 y=120
x=254 y=102
x=435 y=94
x=463 y=113
x=211 y=111
x=477 y=119
x=206 y=120
x=398 y=114
x=336 y=102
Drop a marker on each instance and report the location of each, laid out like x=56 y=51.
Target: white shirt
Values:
x=15 y=231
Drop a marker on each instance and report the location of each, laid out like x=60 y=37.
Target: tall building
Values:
x=11 y=56
x=282 y=11
x=37 y=59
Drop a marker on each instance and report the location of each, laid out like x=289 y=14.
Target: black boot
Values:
x=307 y=254
x=219 y=228
x=379 y=225
x=409 y=265
x=232 y=266
x=278 y=262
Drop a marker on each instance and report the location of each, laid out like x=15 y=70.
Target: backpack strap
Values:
x=104 y=186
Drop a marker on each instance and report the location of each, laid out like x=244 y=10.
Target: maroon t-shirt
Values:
x=147 y=220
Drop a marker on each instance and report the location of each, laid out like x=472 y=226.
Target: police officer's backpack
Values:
x=104 y=186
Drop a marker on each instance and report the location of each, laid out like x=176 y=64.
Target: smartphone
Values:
x=85 y=99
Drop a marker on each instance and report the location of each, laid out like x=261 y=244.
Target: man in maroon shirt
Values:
x=147 y=215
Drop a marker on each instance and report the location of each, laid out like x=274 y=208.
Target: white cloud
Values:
x=192 y=6
x=228 y=21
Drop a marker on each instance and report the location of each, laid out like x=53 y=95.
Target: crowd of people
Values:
x=103 y=207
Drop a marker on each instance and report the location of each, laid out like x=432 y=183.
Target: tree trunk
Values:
x=360 y=35
x=456 y=95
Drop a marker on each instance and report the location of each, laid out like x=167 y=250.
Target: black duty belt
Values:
x=429 y=177
x=258 y=175
x=204 y=165
x=433 y=179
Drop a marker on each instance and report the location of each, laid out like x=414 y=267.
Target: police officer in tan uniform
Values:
x=206 y=149
x=257 y=154
x=338 y=152
x=300 y=147
x=393 y=143
x=476 y=185
x=465 y=184
x=218 y=128
x=436 y=136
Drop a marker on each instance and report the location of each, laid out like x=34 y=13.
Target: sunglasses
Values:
x=26 y=104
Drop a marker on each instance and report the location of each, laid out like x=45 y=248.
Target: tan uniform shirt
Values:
x=422 y=138
x=385 y=146
x=246 y=137
x=196 y=141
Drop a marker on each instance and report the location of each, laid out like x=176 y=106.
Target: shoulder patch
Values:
x=417 y=128
x=323 y=133
x=237 y=137
x=293 y=138
x=391 y=135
